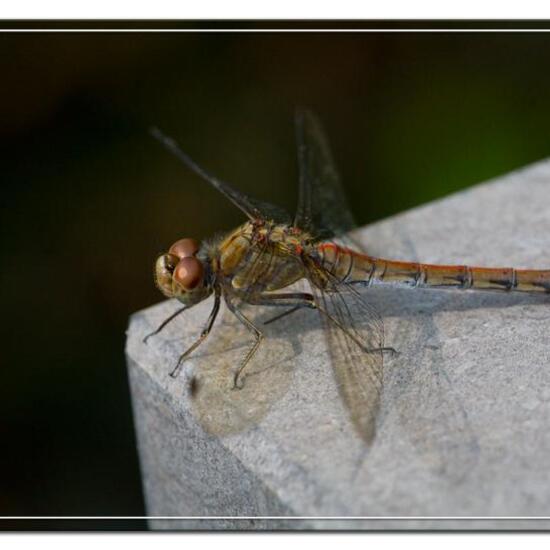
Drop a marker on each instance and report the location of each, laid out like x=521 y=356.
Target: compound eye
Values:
x=184 y=248
x=189 y=273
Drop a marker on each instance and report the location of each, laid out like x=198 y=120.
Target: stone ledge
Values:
x=462 y=429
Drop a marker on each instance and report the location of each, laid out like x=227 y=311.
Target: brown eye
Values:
x=189 y=272
x=184 y=248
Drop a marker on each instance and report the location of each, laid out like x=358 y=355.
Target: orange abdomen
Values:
x=353 y=267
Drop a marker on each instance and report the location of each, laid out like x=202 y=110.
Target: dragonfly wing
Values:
x=322 y=207
x=323 y=211
x=358 y=369
x=253 y=208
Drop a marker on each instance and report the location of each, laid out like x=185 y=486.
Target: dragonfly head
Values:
x=181 y=274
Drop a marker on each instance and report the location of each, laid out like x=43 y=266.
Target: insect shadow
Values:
x=218 y=406
x=437 y=425
x=419 y=383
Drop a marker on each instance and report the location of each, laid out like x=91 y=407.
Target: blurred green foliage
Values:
x=89 y=199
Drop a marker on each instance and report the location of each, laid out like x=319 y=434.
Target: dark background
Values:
x=89 y=198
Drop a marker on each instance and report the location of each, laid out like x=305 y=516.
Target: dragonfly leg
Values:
x=238 y=380
x=296 y=299
x=164 y=323
x=304 y=299
x=285 y=313
x=205 y=332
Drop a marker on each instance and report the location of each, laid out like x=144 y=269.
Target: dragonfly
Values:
x=258 y=263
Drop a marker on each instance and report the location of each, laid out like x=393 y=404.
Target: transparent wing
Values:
x=322 y=207
x=358 y=368
x=358 y=330
x=253 y=208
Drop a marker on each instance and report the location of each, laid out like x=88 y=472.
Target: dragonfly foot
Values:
x=238 y=383
x=177 y=369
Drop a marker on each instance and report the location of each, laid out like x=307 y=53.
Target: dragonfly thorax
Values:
x=181 y=273
x=260 y=256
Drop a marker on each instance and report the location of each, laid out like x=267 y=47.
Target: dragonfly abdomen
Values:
x=352 y=267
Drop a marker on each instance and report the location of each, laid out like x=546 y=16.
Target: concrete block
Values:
x=462 y=431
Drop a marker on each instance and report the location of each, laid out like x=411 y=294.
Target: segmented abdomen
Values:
x=352 y=267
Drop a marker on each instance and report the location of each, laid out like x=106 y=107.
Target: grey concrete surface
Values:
x=465 y=409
